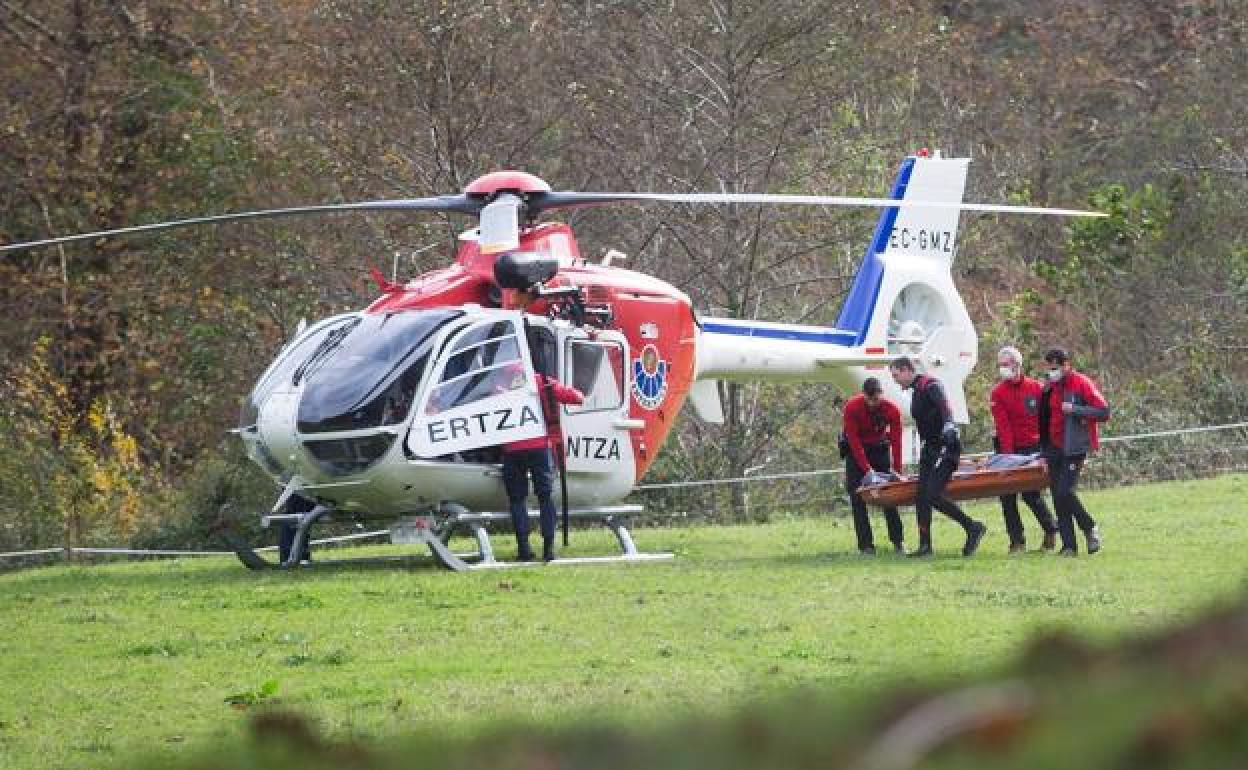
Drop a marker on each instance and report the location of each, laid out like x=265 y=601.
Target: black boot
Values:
x=548 y=550
x=974 y=534
x=523 y=551
x=1094 y=539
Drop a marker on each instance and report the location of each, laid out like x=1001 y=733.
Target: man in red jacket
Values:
x=1070 y=408
x=530 y=458
x=1015 y=404
x=872 y=434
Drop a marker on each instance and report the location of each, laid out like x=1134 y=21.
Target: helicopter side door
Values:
x=481 y=392
x=596 y=434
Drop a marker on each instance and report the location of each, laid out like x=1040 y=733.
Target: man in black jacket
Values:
x=938 y=457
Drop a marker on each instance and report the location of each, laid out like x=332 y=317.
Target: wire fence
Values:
x=45 y=555
x=1152 y=456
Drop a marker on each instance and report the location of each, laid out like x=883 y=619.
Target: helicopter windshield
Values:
x=368 y=377
x=295 y=355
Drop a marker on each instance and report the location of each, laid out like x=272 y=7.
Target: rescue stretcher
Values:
x=993 y=476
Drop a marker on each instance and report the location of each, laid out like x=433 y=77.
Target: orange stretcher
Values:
x=991 y=477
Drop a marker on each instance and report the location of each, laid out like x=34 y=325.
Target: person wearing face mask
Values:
x=1071 y=406
x=938 y=456
x=871 y=441
x=1015 y=406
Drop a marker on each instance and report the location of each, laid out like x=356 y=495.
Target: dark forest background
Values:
x=123 y=362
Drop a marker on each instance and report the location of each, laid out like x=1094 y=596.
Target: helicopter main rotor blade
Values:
x=554 y=200
x=457 y=203
x=500 y=224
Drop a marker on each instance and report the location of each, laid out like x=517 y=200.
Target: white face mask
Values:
x=1055 y=375
x=1006 y=372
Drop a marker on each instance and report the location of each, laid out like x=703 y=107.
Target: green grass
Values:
x=98 y=663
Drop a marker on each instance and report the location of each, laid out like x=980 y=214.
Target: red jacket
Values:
x=562 y=394
x=1015 y=407
x=864 y=425
x=1074 y=433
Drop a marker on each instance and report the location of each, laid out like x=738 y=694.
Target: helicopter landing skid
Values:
x=435 y=531
x=294 y=555
x=612 y=517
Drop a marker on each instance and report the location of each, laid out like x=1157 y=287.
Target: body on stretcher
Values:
x=992 y=476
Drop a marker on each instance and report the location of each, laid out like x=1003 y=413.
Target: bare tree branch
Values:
x=33 y=23
x=30 y=46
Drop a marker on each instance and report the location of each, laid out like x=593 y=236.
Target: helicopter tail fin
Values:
x=903 y=300
x=924 y=235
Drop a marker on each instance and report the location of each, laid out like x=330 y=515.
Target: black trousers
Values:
x=880 y=457
x=1034 y=500
x=936 y=466
x=517 y=468
x=1063 y=478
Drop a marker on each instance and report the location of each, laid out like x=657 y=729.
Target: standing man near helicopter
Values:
x=938 y=457
x=1015 y=406
x=872 y=438
x=531 y=458
x=1070 y=408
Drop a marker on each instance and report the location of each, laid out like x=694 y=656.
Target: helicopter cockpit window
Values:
x=294 y=355
x=597 y=370
x=370 y=377
x=485 y=361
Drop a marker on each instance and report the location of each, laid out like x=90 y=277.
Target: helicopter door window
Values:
x=471 y=340
x=597 y=370
x=484 y=370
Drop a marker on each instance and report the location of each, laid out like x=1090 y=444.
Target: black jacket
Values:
x=929 y=408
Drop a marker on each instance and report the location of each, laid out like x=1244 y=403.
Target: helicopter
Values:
x=396 y=412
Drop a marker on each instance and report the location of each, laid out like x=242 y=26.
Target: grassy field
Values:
x=98 y=663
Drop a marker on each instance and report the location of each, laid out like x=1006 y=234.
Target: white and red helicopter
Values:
x=395 y=412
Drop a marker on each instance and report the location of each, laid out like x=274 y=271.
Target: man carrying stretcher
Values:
x=871 y=441
x=1015 y=404
x=938 y=457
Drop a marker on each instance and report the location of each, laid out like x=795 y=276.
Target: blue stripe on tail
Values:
x=746 y=329
x=860 y=303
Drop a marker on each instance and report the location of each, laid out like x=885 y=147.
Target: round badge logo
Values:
x=649 y=378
